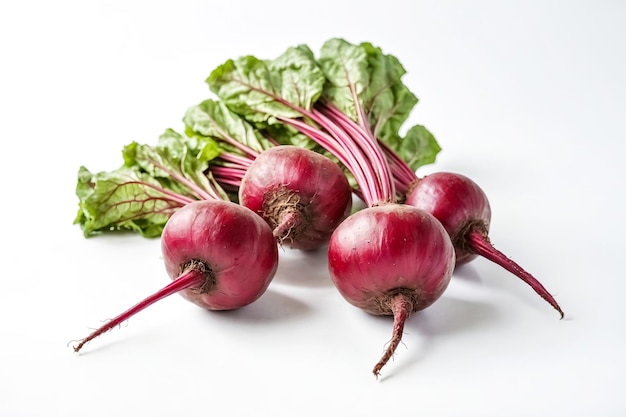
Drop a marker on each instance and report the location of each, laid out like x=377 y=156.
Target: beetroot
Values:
x=459 y=204
x=387 y=259
x=302 y=194
x=463 y=209
x=219 y=255
x=391 y=260
x=233 y=247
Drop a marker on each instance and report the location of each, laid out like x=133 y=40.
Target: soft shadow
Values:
x=451 y=314
x=448 y=315
x=411 y=350
x=304 y=268
x=467 y=273
x=105 y=342
x=502 y=280
x=272 y=307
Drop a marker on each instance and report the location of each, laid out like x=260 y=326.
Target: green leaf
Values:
x=153 y=183
x=124 y=199
x=178 y=162
x=364 y=82
x=418 y=147
x=287 y=135
x=214 y=119
x=263 y=90
x=345 y=67
x=298 y=75
x=362 y=76
x=386 y=101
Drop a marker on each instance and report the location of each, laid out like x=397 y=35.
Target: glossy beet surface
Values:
x=463 y=209
x=392 y=260
x=457 y=202
x=219 y=255
x=381 y=251
x=235 y=244
x=302 y=195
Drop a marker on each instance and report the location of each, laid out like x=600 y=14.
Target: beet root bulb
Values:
x=391 y=260
x=463 y=209
x=219 y=255
x=303 y=195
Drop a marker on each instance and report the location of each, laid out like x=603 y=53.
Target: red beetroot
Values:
x=463 y=209
x=459 y=204
x=219 y=255
x=391 y=260
x=302 y=194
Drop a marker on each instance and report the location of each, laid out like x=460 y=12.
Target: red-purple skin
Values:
x=457 y=202
x=287 y=174
x=236 y=244
x=384 y=250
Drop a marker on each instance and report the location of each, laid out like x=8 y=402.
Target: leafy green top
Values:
x=144 y=192
x=350 y=90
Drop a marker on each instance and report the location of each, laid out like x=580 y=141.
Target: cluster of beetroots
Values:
x=388 y=258
x=393 y=257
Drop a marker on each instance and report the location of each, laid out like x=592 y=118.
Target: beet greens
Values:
x=152 y=183
x=295 y=93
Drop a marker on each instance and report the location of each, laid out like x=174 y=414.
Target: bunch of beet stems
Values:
x=229 y=167
x=346 y=143
x=233 y=168
x=356 y=147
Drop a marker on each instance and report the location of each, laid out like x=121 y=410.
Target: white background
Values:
x=526 y=97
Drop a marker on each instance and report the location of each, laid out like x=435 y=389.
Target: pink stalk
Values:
x=346 y=137
x=365 y=161
x=360 y=130
x=470 y=237
x=329 y=143
x=233 y=169
x=230 y=140
x=203 y=194
x=172 y=196
x=228 y=175
x=403 y=174
x=481 y=245
x=194 y=277
x=238 y=160
x=368 y=155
